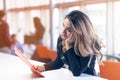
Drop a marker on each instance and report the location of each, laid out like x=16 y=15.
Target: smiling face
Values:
x=67 y=29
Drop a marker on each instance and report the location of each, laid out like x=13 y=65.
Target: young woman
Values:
x=77 y=47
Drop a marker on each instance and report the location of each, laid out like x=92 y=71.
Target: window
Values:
x=1 y=4
x=117 y=27
x=97 y=14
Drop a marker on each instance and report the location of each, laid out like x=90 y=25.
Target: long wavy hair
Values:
x=87 y=41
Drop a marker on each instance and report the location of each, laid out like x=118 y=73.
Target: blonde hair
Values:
x=87 y=41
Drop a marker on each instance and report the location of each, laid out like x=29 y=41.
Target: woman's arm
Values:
x=58 y=63
x=77 y=64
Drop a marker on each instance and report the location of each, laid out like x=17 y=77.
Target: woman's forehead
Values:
x=67 y=23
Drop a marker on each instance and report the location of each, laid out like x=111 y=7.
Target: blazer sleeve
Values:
x=77 y=64
x=58 y=63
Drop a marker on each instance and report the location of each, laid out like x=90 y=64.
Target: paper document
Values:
x=20 y=54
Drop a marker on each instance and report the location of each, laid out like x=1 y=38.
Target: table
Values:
x=13 y=68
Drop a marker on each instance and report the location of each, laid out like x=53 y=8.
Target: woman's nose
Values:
x=64 y=30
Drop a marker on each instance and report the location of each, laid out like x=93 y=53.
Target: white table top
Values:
x=13 y=68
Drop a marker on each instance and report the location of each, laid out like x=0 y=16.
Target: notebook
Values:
x=22 y=57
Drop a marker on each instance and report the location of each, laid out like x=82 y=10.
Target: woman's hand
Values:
x=39 y=68
x=69 y=42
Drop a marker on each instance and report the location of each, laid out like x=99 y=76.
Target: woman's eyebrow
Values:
x=69 y=27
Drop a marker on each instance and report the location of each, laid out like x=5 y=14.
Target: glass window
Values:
x=38 y=2
x=22 y=22
x=63 y=1
x=117 y=27
x=97 y=14
x=56 y=26
x=1 y=4
x=25 y=3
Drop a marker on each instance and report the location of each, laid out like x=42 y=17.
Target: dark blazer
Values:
x=76 y=64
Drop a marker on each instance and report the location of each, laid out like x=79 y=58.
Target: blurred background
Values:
x=104 y=14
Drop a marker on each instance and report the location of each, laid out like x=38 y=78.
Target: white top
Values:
x=13 y=68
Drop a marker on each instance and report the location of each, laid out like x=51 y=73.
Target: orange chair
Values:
x=110 y=70
x=42 y=51
x=46 y=53
x=52 y=54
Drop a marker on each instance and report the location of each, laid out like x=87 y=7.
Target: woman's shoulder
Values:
x=59 y=39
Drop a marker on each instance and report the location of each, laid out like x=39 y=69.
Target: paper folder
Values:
x=20 y=54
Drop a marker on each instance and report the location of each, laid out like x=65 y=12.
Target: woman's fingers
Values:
x=39 y=68
x=36 y=67
x=70 y=39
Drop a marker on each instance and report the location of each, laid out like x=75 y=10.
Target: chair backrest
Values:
x=45 y=52
x=52 y=54
x=42 y=51
x=110 y=70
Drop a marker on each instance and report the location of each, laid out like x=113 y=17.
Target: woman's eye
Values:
x=69 y=30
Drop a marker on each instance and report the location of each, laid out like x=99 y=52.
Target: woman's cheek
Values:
x=62 y=36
